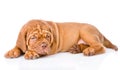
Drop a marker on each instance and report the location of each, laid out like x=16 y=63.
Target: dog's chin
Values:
x=45 y=51
x=43 y=54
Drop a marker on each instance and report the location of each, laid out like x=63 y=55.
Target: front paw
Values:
x=14 y=53
x=89 y=51
x=31 y=55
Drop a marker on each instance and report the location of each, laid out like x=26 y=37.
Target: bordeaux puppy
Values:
x=39 y=38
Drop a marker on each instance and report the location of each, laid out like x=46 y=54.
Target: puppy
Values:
x=40 y=38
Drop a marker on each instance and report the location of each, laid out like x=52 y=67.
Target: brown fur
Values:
x=39 y=38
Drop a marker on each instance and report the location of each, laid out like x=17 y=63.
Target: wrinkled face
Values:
x=40 y=41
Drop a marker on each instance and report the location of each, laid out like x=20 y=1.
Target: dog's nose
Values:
x=43 y=45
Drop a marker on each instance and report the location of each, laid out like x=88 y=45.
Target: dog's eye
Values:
x=33 y=38
x=47 y=36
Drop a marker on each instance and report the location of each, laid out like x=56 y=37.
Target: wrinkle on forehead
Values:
x=37 y=29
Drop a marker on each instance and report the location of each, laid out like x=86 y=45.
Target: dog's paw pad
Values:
x=89 y=51
x=31 y=55
x=14 y=53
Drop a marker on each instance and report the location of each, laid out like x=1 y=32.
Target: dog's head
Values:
x=37 y=36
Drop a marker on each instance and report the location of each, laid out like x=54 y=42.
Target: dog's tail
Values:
x=108 y=44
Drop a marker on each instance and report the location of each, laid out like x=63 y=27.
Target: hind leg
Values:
x=96 y=47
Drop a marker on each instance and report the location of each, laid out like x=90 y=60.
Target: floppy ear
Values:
x=54 y=29
x=21 y=41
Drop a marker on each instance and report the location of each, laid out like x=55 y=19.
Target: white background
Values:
x=104 y=14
